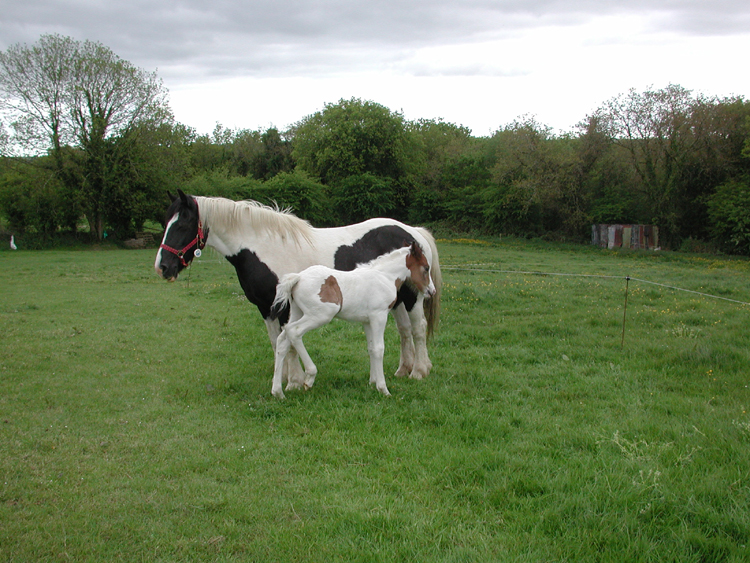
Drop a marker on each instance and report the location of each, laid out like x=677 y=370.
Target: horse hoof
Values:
x=278 y=394
x=293 y=385
x=402 y=371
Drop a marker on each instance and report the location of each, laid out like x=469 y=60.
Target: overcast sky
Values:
x=479 y=63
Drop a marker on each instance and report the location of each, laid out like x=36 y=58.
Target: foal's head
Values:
x=184 y=237
x=419 y=270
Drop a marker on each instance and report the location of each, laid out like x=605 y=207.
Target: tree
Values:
x=295 y=190
x=142 y=164
x=111 y=99
x=363 y=196
x=654 y=127
x=275 y=157
x=606 y=177
x=35 y=94
x=62 y=92
x=351 y=138
x=720 y=128
x=524 y=179
x=729 y=209
x=441 y=153
x=30 y=197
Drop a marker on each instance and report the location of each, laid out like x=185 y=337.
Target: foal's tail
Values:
x=283 y=295
x=432 y=305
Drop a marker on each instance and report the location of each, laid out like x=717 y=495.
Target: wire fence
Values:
x=626 y=279
x=471 y=268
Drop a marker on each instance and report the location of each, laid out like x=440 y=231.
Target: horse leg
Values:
x=297 y=329
x=403 y=322
x=291 y=370
x=374 y=330
x=282 y=348
x=422 y=363
x=311 y=369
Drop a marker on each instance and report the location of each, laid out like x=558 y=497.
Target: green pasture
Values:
x=137 y=424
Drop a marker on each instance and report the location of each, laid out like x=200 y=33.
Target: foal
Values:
x=365 y=295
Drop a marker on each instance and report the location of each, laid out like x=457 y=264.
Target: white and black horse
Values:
x=264 y=243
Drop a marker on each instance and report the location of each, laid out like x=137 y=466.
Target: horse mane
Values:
x=241 y=217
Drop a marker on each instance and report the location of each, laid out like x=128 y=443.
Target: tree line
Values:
x=89 y=143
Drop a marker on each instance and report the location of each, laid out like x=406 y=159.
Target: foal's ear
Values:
x=171 y=197
x=416 y=250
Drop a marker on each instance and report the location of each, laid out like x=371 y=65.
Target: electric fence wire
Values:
x=471 y=268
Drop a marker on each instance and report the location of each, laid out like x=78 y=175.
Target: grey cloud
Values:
x=186 y=39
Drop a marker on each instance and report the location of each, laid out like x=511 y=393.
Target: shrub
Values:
x=729 y=210
x=363 y=196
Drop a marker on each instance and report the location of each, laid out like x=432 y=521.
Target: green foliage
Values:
x=447 y=161
x=351 y=138
x=528 y=176
x=680 y=147
x=662 y=156
x=729 y=209
x=296 y=190
x=362 y=196
x=33 y=200
x=276 y=157
x=242 y=152
x=141 y=166
x=220 y=183
x=61 y=92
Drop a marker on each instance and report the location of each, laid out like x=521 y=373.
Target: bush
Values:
x=31 y=201
x=220 y=183
x=729 y=210
x=363 y=196
x=307 y=198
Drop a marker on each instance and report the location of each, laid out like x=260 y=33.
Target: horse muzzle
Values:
x=163 y=273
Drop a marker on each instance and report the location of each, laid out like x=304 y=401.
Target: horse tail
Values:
x=283 y=295
x=432 y=305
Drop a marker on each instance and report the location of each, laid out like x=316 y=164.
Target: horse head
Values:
x=419 y=269
x=184 y=236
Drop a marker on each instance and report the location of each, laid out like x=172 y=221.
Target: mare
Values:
x=365 y=295
x=265 y=243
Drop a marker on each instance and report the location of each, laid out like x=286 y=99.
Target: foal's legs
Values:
x=291 y=370
x=374 y=331
x=291 y=337
x=283 y=347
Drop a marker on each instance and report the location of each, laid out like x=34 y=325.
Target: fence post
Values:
x=624 y=312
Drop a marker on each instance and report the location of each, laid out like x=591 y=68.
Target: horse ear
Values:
x=171 y=197
x=183 y=197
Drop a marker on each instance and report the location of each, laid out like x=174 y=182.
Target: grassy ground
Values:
x=136 y=419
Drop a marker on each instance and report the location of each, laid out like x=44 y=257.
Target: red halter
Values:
x=200 y=240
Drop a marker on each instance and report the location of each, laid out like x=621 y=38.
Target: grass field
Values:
x=137 y=422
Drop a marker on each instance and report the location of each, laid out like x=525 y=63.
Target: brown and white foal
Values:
x=365 y=295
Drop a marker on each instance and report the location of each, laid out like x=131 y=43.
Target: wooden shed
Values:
x=625 y=236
